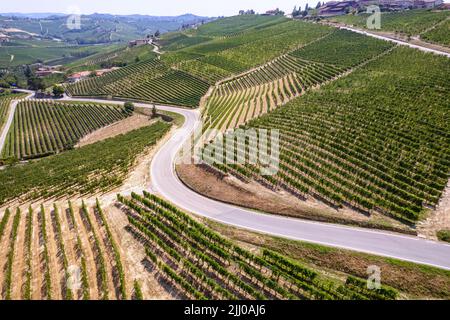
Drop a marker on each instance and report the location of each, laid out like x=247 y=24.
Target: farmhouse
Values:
x=140 y=42
x=336 y=8
x=3 y=38
x=78 y=76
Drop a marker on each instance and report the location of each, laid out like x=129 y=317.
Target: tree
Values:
x=294 y=12
x=58 y=91
x=157 y=33
x=129 y=107
x=36 y=83
x=318 y=5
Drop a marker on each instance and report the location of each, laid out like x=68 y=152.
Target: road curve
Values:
x=166 y=183
x=403 y=43
x=12 y=111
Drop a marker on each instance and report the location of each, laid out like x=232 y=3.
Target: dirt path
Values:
x=91 y=267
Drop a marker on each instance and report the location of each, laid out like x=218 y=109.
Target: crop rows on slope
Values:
x=202 y=265
x=70 y=253
x=343 y=49
x=382 y=145
x=5 y=101
x=251 y=47
x=246 y=97
x=439 y=34
x=205 y=71
x=410 y=22
x=174 y=87
x=41 y=128
x=150 y=81
x=116 y=81
x=94 y=168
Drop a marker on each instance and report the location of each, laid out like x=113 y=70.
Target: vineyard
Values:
x=376 y=140
x=246 y=97
x=95 y=168
x=236 y=101
x=150 y=81
x=61 y=252
x=343 y=48
x=5 y=101
x=200 y=264
x=439 y=34
x=43 y=128
x=410 y=22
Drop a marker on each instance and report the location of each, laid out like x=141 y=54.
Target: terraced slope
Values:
x=94 y=168
x=439 y=34
x=61 y=252
x=376 y=140
x=150 y=81
x=245 y=97
x=5 y=101
x=410 y=22
x=42 y=128
x=200 y=264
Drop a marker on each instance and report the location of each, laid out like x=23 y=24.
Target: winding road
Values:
x=166 y=183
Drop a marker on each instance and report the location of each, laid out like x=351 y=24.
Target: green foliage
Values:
x=410 y=22
x=376 y=140
x=43 y=128
x=343 y=48
x=200 y=260
x=80 y=171
x=444 y=235
x=439 y=34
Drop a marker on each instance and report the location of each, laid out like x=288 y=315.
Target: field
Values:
x=243 y=48
x=16 y=56
x=242 y=98
x=411 y=22
x=43 y=128
x=117 y=56
x=145 y=81
x=5 y=101
x=59 y=252
x=439 y=34
x=399 y=169
x=200 y=264
x=95 y=168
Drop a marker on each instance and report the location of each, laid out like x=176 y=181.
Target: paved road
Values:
x=403 y=43
x=12 y=111
x=166 y=183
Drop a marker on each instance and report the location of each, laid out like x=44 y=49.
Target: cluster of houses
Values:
x=140 y=42
x=335 y=8
x=78 y=76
